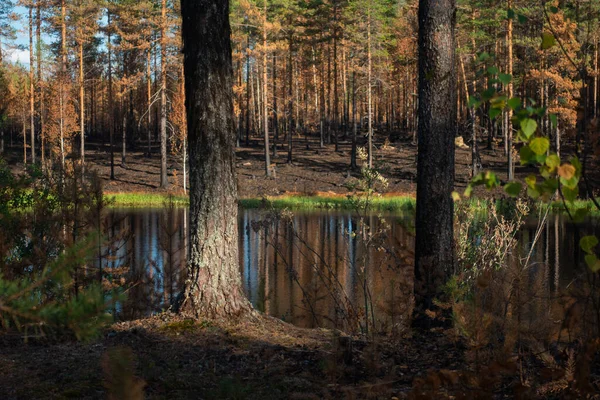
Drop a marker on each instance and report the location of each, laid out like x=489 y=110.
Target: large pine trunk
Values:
x=213 y=288
x=436 y=129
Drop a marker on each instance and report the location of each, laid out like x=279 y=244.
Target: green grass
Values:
x=586 y=206
x=399 y=203
x=148 y=200
x=341 y=202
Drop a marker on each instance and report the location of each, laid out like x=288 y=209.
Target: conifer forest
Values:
x=299 y=199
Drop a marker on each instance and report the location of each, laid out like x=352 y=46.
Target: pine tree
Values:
x=213 y=287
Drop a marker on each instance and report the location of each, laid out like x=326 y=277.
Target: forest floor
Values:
x=314 y=169
x=170 y=357
x=174 y=358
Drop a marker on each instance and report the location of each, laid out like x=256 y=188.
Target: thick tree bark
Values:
x=213 y=288
x=434 y=255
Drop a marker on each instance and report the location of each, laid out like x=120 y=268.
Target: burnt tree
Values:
x=213 y=288
x=434 y=252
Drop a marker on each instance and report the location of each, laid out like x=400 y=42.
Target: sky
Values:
x=16 y=55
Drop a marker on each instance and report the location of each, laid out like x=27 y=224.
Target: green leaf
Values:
x=493 y=70
x=570 y=183
x=494 y=112
x=455 y=196
x=533 y=192
x=531 y=181
x=483 y=56
x=548 y=40
x=522 y=19
x=514 y=103
x=587 y=243
x=513 y=188
x=553 y=120
x=474 y=102
x=539 y=145
x=468 y=191
x=505 y=78
x=510 y=13
x=553 y=9
x=478 y=179
x=570 y=193
x=527 y=156
x=592 y=262
x=528 y=126
x=488 y=94
x=491 y=180
x=552 y=161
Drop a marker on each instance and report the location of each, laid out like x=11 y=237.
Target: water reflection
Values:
x=316 y=269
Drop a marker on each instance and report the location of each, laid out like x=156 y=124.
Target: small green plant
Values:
x=47 y=237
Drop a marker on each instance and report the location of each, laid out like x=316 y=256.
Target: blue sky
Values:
x=18 y=55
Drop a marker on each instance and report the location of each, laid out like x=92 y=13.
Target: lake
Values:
x=310 y=268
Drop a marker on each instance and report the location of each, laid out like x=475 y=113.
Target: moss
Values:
x=179 y=327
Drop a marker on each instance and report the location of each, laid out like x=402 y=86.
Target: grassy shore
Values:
x=319 y=201
x=399 y=202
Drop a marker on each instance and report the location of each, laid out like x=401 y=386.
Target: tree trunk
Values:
x=265 y=94
x=111 y=120
x=164 y=180
x=63 y=81
x=434 y=255
x=335 y=78
x=149 y=97
x=290 y=101
x=213 y=287
x=369 y=89
x=509 y=133
x=354 y=128
x=38 y=33
x=275 y=110
x=81 y=103
x=31 y=86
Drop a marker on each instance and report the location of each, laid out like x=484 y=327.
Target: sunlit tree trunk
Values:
x=335 y=76
x=265 y=94
x=434 y=255
x=149 y=97
x=290 y=100
x=31 y=86
x=63 y=79
x=354 y=127
x=111 y=121
x=509 y=132
x=213 y=287
x=369 y=88
x=81 y=102
x=164 y=181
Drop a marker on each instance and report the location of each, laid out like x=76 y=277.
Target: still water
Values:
x=312 y=269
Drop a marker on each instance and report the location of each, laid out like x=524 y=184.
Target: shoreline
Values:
x=295 y=201
x=390 y=202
